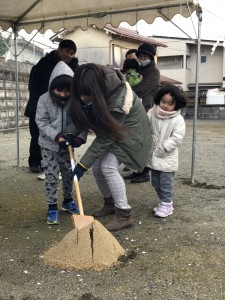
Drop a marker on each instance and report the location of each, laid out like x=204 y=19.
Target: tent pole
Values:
x=199 y=15
x=17 y=87
x=17 y=96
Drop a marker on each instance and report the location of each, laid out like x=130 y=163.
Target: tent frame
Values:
x=98 y=14
x=19 y=23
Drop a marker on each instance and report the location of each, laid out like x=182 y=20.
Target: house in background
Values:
x=28 y=52
x=108 y=46
x=178 y=60
x=105 y=46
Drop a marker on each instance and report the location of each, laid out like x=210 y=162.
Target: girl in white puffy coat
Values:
x=167 y=129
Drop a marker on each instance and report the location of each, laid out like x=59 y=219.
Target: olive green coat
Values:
x=127 y=108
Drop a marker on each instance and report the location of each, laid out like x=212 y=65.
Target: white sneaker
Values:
x=164 y=210
x=42 y=176
x=156 y=208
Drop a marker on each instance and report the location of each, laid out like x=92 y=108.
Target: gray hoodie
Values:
x=52 y=119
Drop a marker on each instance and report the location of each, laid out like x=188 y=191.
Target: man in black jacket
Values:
x=38 y=85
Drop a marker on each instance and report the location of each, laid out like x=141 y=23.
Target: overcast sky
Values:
x=213 y=23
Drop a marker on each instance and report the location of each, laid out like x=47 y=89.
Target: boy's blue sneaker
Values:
x=71 y=207
x=53 y=217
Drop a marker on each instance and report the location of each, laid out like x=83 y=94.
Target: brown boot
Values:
x=107 y=209
x=122 y=219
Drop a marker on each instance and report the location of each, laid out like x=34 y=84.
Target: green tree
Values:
x=4 y=44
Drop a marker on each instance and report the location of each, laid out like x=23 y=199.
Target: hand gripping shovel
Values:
x=79 y=221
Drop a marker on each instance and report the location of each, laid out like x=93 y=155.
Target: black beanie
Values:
x=147 y=49
x=68 y=44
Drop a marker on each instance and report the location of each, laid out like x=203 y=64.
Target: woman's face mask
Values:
x=144 y=62
x=86 y=103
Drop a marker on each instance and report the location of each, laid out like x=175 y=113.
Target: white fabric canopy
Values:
x=57 y=14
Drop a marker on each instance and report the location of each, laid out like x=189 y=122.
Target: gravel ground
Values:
x=181 y=257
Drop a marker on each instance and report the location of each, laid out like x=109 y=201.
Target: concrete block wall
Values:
x=211 y=112
x=8 y=93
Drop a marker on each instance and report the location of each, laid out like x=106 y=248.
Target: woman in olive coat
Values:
x=103 y=102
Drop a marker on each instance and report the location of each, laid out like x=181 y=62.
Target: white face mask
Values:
x=144 y=62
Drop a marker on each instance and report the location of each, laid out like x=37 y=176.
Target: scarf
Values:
x=163 y=114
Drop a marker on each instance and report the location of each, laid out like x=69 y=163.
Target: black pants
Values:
x=35 y=150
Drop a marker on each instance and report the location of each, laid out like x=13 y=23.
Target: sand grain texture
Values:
x=92 y=247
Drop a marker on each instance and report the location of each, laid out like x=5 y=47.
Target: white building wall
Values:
x=95 y=46
x=210 y=71
x=175 y=47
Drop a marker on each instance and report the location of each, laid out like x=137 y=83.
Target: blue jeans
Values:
x=163 y=184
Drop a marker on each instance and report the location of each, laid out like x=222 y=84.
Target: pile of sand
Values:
x=91 y=247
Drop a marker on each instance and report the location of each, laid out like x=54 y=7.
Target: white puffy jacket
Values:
x=166 y=136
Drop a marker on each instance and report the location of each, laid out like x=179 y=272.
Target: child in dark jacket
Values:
x=53 y=119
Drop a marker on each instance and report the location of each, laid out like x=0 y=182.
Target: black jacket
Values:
x=149 y=85
x=39 y=79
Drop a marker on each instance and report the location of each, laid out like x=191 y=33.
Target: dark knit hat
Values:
x=147 y=49
x=68 y=44
x=130 y=63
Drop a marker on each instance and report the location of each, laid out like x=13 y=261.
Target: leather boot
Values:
x=121 y=220
x=107 y=209
x=144 y=176
x=131 y=176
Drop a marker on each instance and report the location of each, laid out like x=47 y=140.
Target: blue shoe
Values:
x=53 y=217
x=71 y=207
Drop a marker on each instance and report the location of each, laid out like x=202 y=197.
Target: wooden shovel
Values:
x=79 y=221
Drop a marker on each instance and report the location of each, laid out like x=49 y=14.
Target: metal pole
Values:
x=199 y=15
x=17 y=96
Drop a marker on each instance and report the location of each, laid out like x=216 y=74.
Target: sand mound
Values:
x=91 y=247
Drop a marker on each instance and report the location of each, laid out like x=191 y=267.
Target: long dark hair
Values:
x=89 y=80
x=177 y=93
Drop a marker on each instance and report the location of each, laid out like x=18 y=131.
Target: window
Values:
x=116 y=56
x=170 y=62
x=203 y=59
x=188 y=62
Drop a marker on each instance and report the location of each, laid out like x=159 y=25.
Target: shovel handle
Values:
x=75 y=181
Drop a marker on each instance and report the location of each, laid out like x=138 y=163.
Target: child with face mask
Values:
x=53 y=119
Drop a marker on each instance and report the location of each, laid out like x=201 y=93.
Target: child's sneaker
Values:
x=156 y=208
x=164 y=209
x=41 y=176
x=71 y=207
x=53 y=217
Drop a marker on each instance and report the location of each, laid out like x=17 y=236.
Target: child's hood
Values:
x=60 y=69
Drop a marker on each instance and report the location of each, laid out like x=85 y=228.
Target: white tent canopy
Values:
x=57 y=14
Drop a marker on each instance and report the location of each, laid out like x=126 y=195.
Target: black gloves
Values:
x=62 y=141
x=79 y=171
x=74 y=141
x=65 y=140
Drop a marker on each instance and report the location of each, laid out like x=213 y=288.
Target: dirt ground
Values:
x=181 y=257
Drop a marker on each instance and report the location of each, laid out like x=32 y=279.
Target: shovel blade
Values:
x=80 y=222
